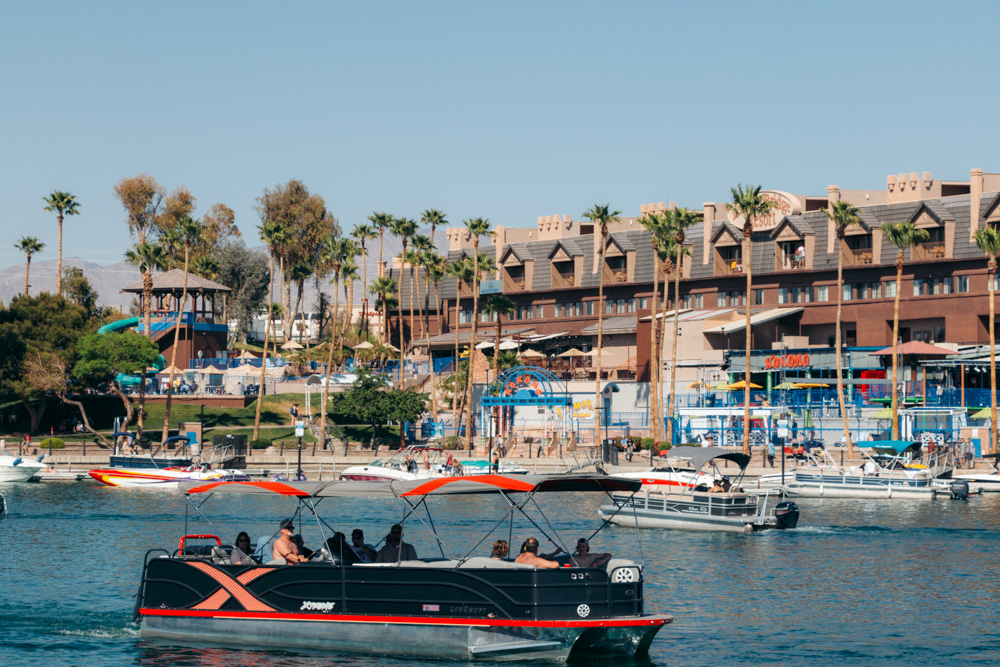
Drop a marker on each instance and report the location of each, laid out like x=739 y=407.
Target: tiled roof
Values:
x=173 y=281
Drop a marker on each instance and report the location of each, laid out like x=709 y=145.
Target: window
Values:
x=758 y=297
x=848 y=292
x=465 y=317
x=524 y=312
x=559 y=310
x=918 y=287
x=609 y=307
x=644 y=302
x=962 y=284
x=938 y=333
x=699 y=301
x=890 y=289
x=783 y=295
x=539 y=312
x=487 y=317
x=590 y=307
x=996 y=281
x=823 y=293
x=721 y=300
x=631 y=305
x=875 y=290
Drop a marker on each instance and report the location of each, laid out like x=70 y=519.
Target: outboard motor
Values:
x=786 y=513
x=960 y=489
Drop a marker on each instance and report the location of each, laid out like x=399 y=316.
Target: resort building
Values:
x=552 y=271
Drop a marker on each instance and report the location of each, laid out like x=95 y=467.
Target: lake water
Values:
x=858 y=583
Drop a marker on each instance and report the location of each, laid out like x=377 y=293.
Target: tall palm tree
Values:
x=191 y=232
x=461 y=271
x=364 y=233
x=654 y=223
x=434 y=266
x=380 y=221
x=273 y=235
x=29 y=245
x=421 y=245
x=903 y=235
x=384 y=288
x=681 y=219
x=404 y=228
x=348 y=276
x=666 y=257
x=497 y=305
x=748 y=203
x=988 y=239
x=147 y=256
x=299 y=274
x=602 y=215
x=843 y=216
x=350 y=250
x=434 y=218
x=63 y=204
x=334 y=251
x=477 y=227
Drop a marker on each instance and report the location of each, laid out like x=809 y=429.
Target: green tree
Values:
x=29 y=245
x=381 y=221
x=749 y=204
x=348 y=276
x=602 y=216
x=273 y=234
x=405 y=405
x=461 y=271
x=364 y=233
x=142 y=198
x=148 y=256
x=903 y=235
x=434 y=218
x=104 y=358
x=476 y=227
x=843 y=216
x=335 y=251
x=988 y=240
x=384 y=288
x=367 y=400
x=190 y=232
x=681 y=220
x=246 y=273
x=76 y=288
x=497 y=305
x=62 y=204
x=404 y=228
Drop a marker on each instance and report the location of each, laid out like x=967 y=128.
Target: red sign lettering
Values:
x=787 y=361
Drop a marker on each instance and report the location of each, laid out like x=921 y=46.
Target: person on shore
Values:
x=529 y=555
x=294 y=412
x=500 y=550
x=585 y=558
x=395 y=549
x=365 y=552
x=240 y=555
x=496 y=463
x=284 y=547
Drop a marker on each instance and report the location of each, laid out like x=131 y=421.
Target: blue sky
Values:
x=504 y=110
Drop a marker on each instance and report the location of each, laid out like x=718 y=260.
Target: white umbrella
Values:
x=484 y=345
x=573 y=352
x=246 y=354
x=364 y=346
x=508 y=345
x=532 y=354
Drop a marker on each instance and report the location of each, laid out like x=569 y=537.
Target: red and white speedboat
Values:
x=424 y=463
x=163 y=478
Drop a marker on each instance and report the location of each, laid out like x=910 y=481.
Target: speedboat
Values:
x=984 y=482
x=682 y=506
x=507 y=467
x=409 y=463
x=19 y=468
x=669 y=478
x=459 y=607
x=888 y=472
x=163 y=478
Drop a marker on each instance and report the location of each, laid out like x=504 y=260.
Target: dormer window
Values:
x=857 y=249
x=933 y=247
x=728 y=259
x=513 y=278
x=792 y=247
x=940 y=226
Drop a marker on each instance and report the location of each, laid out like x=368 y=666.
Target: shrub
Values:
x=56 y=443
x=646 y=443
x=451 y=442
x=260 y=444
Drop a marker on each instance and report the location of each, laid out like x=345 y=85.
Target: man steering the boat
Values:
x=284 y=548
x=529 y=555
x=395 y=549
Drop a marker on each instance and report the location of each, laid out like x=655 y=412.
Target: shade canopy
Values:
x=696 y=385
x=572 y=352
x=884 y=413
x=168 y=369
x=390 y=346
x=291 y=345
x=787 y=385
x=485 y=345
x=592 y=353
x=246 y=354
x=985 y=413
x=364 y=346
x=508 y=345
x=532 y=354
x=699 y=456
x=917 y=347
x=811 y=385
x=742 y=384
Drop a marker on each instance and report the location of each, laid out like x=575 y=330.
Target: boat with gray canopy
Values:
x=724 y=506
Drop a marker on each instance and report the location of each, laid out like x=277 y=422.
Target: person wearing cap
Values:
x=395 y=549
x=717 y=487
x=529 y=555
x=726 y=484
x=284 y=548
x=584 y=557
x=365 y=552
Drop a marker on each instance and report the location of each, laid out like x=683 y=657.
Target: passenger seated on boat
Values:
x=341 y=551
x=717 y=487
x=365 y=552
x=529 y=555
x=240 y=553
x=284 y=548
x=500 y=550
x=584 y=557
x=395 y=548
x=301 y=547
x=726 y=484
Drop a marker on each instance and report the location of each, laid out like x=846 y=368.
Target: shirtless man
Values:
x=584 y=557
x=284 y=548
x=529 y=555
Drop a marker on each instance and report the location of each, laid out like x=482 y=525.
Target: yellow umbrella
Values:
x=985 y=413
x=696 y=385
x=742 y=384
x=811 y=385
x=787 y=385
x=884 y=413
x=720 y=385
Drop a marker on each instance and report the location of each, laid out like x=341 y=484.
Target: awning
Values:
x=699 y=456
x=759 y=318
x=915 y=347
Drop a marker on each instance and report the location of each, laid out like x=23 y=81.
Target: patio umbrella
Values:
x=532 y=354
x=884 y=413
x=390 y=346
x=742 y=384
x=807 y=422
x=485 y=345
x=811 y=385
x=177 y=371
x=985 y=413
x=508 y=345
x=787 y=385
x=364 y=346
x=696 y=385
x=246 y=354
x=210 y=370
x=291 y=345
x=720 y=385
x=573 y=352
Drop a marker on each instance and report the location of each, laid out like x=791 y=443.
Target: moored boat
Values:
x=407 y=464
x=18 y=468
x=463 y=607
x=690 y=503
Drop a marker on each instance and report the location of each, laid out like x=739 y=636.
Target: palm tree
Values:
x=477 y=227
x=384 y=288
x=364 y=233
x=600 y=214
x=63 y=204
x=497 y=305
x=348 y=274
x=988 y=239
x=334 y=251
x=273 y=234
x=666 y=253
x=404 y=228
x=681 y=219
x=653 y=222
x=29 y=245
x=434 y=218
x=147 y=256
x=903 y=235
x=748 y=203
x=421 y=246
x=843 y=216
x=461 y=271
x=299 y=274
x=191 y=232
x=434 y=266
x=380 y=221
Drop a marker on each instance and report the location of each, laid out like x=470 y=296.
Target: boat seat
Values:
x=341 y=551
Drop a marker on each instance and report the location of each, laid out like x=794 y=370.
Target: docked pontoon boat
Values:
x=462 y=607
x=699 y=508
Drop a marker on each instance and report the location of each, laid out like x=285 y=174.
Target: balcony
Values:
x=929 y=250
x=516 y=284
x=858 y=256
x=563 y=279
